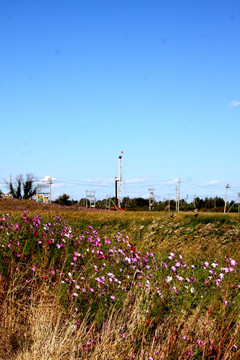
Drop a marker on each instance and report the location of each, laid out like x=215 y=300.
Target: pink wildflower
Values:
x=200 y=342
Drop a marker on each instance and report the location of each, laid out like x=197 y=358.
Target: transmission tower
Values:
x=90 y=199
x=43 y=193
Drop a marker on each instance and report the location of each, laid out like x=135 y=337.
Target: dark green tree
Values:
x=63 y=200
x=20 y=188
x=28 y=189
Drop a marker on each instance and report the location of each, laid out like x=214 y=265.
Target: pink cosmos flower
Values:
x=233 y=262
x=180 y=278
x=200 y=342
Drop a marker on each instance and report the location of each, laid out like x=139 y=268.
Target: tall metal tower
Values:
x=90 y=199
x=120 y=196
x=118 y=183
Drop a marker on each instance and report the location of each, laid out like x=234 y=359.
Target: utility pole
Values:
x=107 y=202
x=151 y=198
x=169 y=202
x=50 y=190
x=179 y=182
x=176 y=198
x=225 y=205
x=91 y=198
x=239 y=202
x=116 y=191
x=194 y=201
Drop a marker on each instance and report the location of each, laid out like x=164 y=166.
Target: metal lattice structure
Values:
x=120 y=196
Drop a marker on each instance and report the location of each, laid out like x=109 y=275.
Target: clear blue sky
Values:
x=81 y=81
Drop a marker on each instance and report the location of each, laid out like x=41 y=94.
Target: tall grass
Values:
x=69 y=290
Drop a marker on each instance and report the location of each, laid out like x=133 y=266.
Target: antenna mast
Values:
x=119 y=182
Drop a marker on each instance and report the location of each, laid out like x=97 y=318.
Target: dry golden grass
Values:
x=35 y=328
x=34 y=324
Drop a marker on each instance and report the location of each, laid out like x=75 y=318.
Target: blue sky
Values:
x=81 y=81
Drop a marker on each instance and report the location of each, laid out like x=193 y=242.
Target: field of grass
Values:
x=77 y=284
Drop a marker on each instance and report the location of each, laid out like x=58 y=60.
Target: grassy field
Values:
x=79 y=284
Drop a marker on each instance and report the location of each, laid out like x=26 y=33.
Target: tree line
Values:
x=215 y=204
x=23 y=188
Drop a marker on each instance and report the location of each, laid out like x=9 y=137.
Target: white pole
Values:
x=225 y=205
x=179 y=182
x=176 y=199
x=120 y=181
